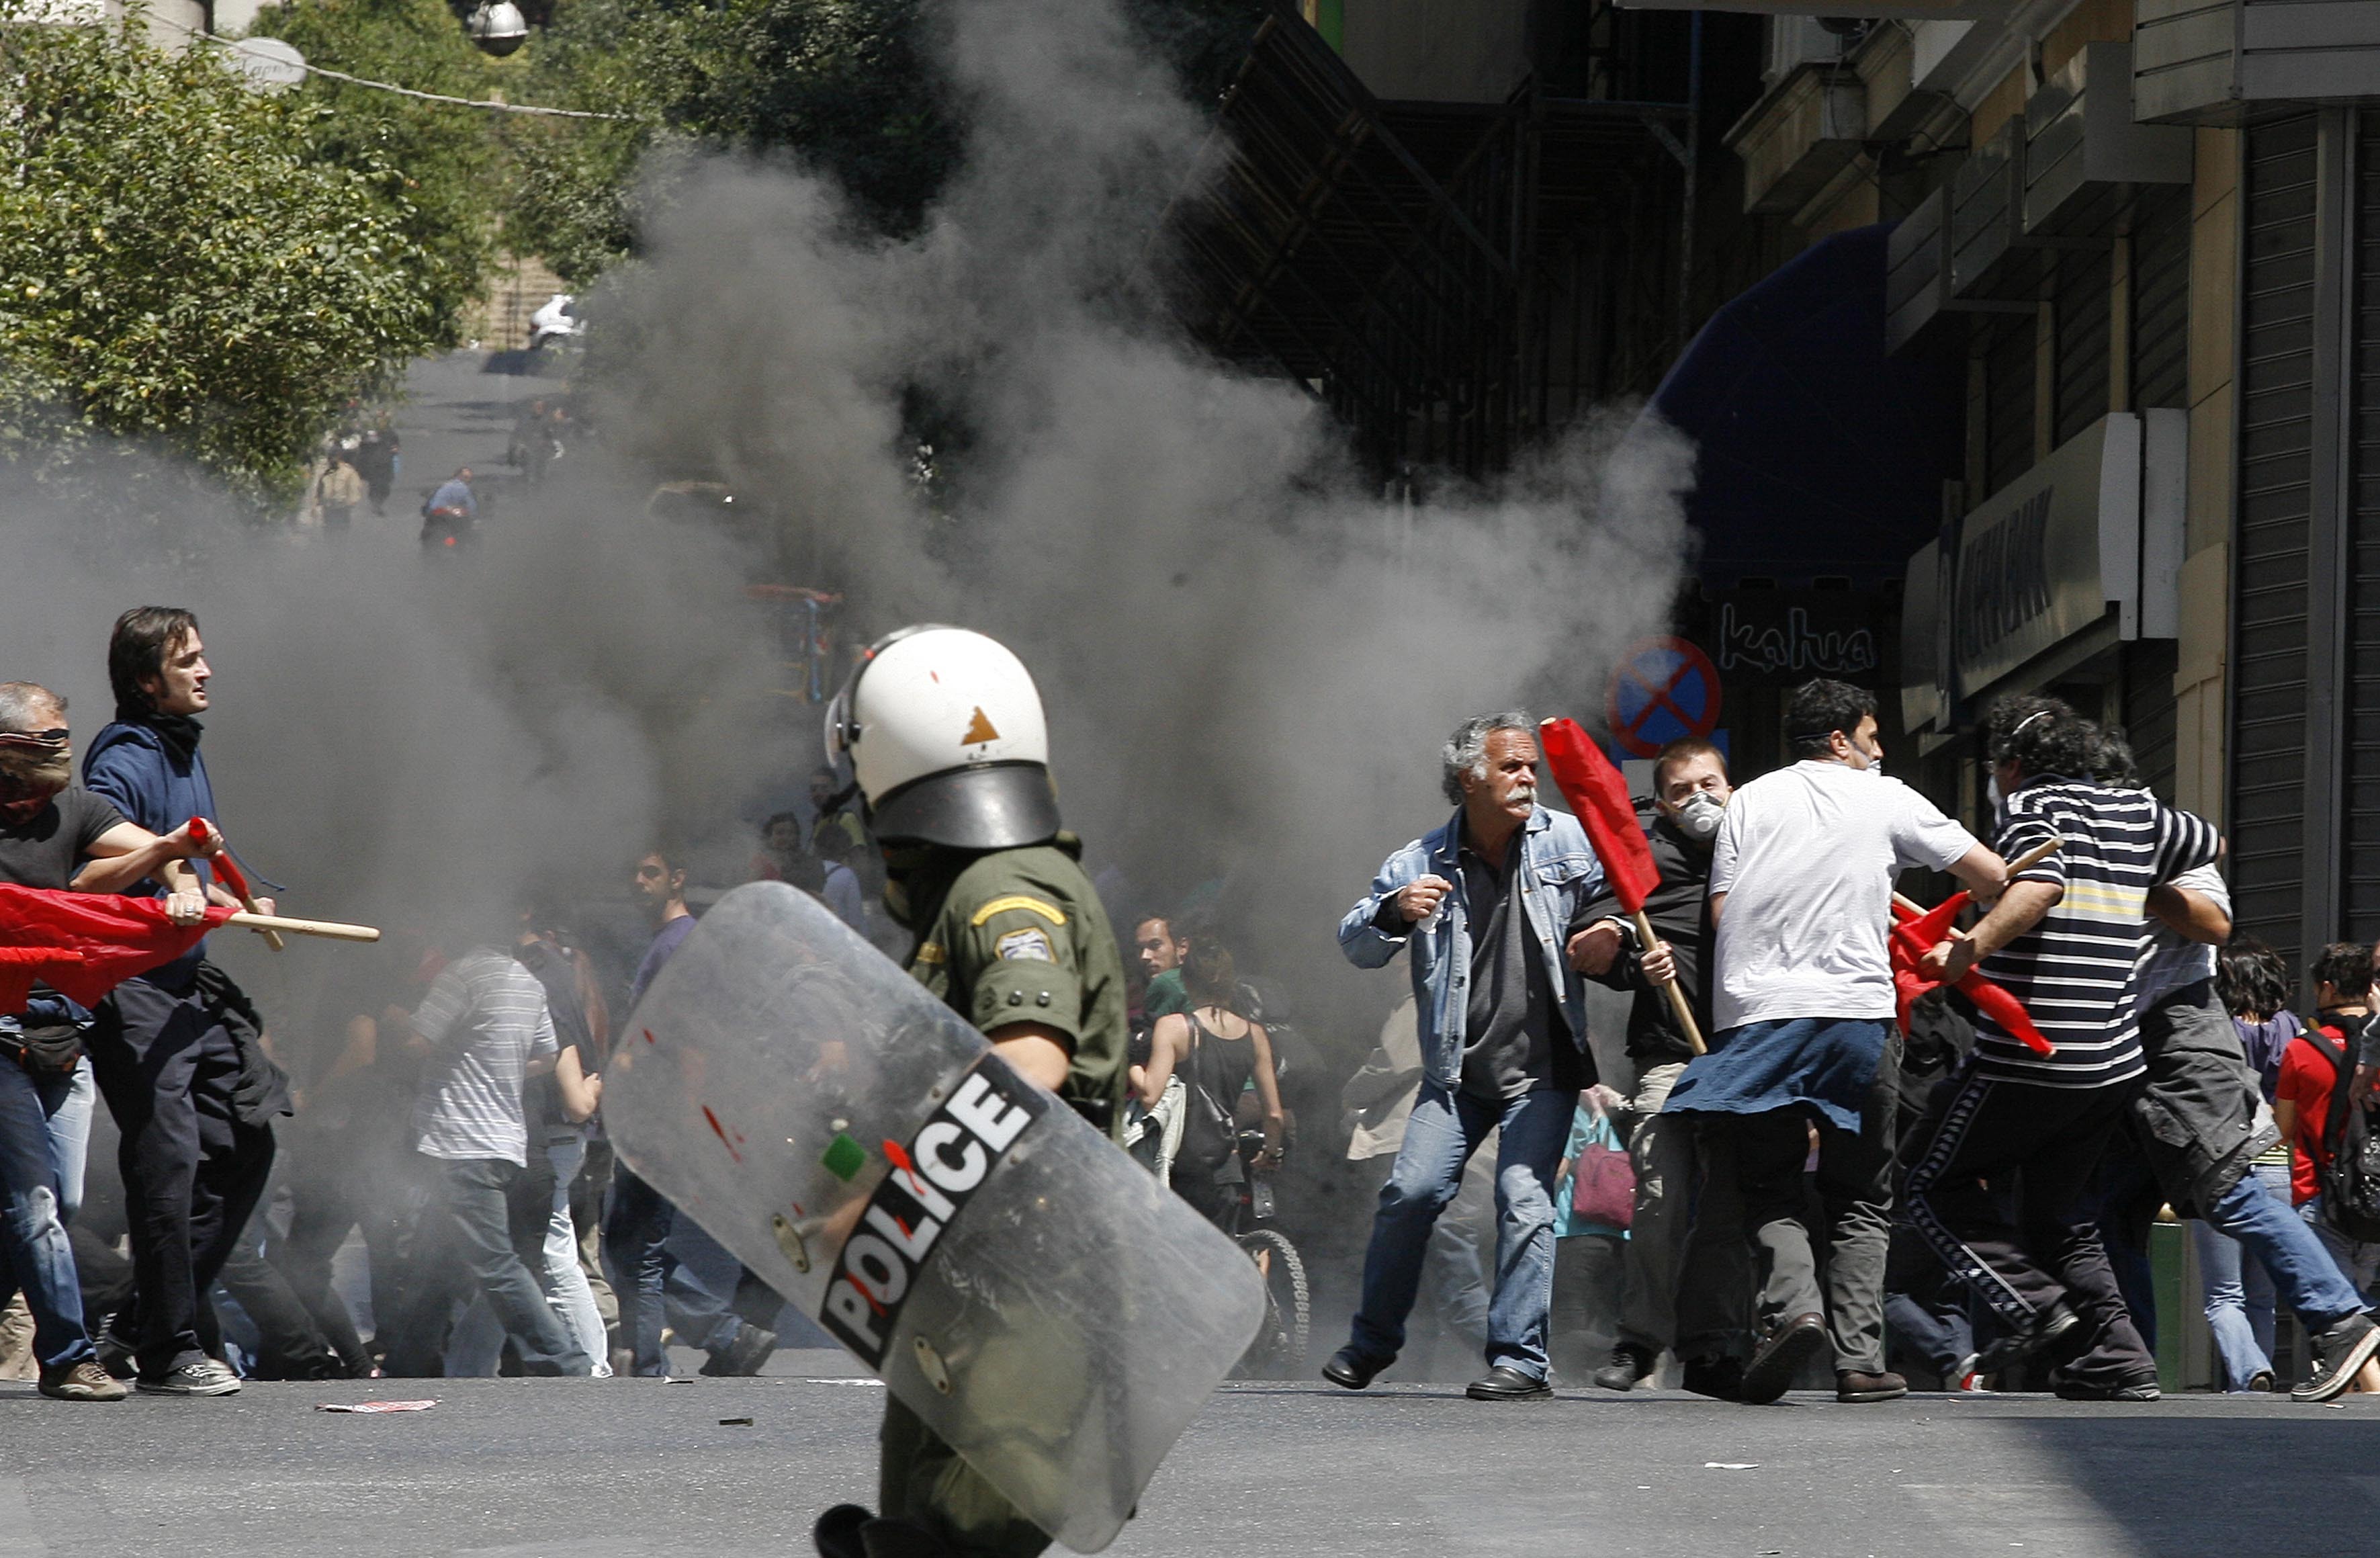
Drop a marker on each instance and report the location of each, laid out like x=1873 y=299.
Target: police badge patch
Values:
x=1028 y=944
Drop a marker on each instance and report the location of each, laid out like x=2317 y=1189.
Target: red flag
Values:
x=1915 y=936
x=1599 y=795
x=84 y=945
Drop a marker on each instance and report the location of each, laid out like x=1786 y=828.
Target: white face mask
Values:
x=1992 y=796
x=1699 y=815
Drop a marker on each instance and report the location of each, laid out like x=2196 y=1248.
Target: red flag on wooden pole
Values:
x=1917 y=934
x=84 y=945
x=1598 y=794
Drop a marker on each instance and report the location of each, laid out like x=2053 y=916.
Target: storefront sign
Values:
x=1793 y=636
x=2100 y=523
x=2029 y=571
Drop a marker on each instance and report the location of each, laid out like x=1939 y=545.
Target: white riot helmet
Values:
x=946 y=738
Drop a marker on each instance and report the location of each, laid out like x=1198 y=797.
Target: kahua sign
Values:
x=1790 y=635
x=2090 y=536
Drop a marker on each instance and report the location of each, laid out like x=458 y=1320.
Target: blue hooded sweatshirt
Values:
x=158 y=783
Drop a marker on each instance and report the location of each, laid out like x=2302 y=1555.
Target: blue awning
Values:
x=1817 y=454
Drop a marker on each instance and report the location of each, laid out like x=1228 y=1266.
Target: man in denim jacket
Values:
x=1487 y=904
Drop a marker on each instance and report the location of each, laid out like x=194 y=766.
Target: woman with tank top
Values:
x=1218 y=1053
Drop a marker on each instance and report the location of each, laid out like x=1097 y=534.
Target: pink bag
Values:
x=1603 y=1187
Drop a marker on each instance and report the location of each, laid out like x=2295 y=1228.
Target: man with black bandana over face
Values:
x=948 y=740
x=176 y=1050
x=47 y=830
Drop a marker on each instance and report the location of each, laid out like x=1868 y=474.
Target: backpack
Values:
x=2350 y=1179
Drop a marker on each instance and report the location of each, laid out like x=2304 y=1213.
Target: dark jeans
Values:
x=1764 y=1154
x=193 y=1173
x=325 y=1201
x=484 y=1232
x=1717 y=1289
x=2049 y=1140
x=647 y=1280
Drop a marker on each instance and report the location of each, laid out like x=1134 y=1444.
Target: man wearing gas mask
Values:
x=1690 y=791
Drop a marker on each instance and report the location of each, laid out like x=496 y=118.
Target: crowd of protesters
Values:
x=1867 y=1166
x=1855 y=1184
x=438 y=1114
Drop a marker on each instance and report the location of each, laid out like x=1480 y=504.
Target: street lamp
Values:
x=497 y=26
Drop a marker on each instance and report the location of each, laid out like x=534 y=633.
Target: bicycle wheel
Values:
x=1280 y=1347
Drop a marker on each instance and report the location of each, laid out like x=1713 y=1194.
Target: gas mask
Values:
x=1699 y=815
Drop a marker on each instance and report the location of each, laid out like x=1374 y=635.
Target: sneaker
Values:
x=205 y=1377
x=81 y=1381
x=744 y=1355
x=1719 y=1378
x=1779 y=1358
x=2083 y=1390
x=2341 y=1354
x=1854 y=1386
x=1629 y=1364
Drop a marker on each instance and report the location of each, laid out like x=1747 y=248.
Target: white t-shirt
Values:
x=1807 y=857
x=486 y=1019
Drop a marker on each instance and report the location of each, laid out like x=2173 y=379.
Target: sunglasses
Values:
x=58 y=733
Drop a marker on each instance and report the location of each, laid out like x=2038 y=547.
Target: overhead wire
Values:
x=490 y=105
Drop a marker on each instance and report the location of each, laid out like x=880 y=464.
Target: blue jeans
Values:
x=44 y=1124
x=1445 y=1129
x=651 y=1284
x=2358 y=1261
x=2238 y=1291
x=2304 y=1276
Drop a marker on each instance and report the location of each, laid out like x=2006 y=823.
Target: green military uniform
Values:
x=1011 y=936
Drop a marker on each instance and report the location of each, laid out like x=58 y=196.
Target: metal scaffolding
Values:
x=1453 y=279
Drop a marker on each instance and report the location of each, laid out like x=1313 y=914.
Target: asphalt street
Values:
x=508 y=1469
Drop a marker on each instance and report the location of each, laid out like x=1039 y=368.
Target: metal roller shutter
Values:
x=2360 y=894
x=2269 y=617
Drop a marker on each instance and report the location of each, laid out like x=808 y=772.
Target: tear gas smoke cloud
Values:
x=1249 y=661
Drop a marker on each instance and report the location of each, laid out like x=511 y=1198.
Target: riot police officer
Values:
x=946 y=738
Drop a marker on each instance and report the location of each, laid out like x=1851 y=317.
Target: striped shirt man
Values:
x=2074 y=971
x=485 y=1019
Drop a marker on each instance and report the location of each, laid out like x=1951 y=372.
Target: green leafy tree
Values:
x=450 y=161
x=177 y=268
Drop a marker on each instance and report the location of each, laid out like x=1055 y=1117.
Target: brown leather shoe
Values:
x=1851 y=1385
x=1772 y=1369
x=85 y=1380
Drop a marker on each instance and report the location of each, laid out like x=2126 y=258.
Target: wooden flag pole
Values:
x=1677 y=997
x=331 y=929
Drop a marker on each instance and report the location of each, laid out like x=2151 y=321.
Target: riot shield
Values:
x=1021 y=1284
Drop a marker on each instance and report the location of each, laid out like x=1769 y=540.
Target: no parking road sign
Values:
x=1662 y=690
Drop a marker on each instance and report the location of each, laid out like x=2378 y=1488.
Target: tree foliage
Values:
x=180 y=269
x=451 y=159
